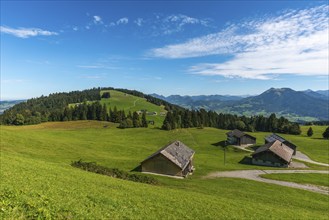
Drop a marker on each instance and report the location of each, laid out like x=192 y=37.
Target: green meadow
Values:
x=307 y=178
x=37 y=180
x=132 y=103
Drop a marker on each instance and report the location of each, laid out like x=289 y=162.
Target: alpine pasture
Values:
x=37 y=180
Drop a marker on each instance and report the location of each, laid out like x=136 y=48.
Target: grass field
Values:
x=305 y=178
x=132 y=103
x=38 y=181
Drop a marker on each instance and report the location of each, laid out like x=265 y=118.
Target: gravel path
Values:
x=255 y=175
x=302 y=157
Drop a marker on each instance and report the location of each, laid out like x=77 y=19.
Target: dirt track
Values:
x=302 y=157
x=255 y=175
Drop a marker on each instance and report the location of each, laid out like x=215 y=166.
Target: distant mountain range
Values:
x=8 y=104
x=305 y=105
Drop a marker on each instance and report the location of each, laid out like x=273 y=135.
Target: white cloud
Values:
x=176 y=23
x=26 y=32
x=139 y=22
x=124 y=20
x=90 y=66
x=75 y=28
x=295 y=42
x=97 y=66
x=97 y=19
x=13 y=81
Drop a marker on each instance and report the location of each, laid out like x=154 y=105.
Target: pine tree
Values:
x=310 y=132
x=325 y=134
x=167 y=122
x=144 y=121
x=136 y=121
x=104 y=113
x=114 y=115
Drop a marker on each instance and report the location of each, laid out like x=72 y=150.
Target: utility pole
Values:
x=225 y=154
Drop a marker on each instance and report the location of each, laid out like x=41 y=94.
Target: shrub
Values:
x=114 y=172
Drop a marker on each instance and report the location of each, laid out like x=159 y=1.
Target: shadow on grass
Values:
x=219 y=144
x=137 y=169
x=246 y=160
x=254 y=147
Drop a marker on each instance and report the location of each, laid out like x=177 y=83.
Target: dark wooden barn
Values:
x=237 y=137
x=274 y=137
x=174 y=159
x=274 y=154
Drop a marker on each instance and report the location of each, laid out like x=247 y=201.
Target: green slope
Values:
x=132 y=103
x=38 y=181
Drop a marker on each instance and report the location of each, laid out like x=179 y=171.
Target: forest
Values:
x=85 y=105
x=202 y=118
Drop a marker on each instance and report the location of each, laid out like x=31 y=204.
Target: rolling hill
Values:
x=128 y=102
x=37 y=180
x=294 y=105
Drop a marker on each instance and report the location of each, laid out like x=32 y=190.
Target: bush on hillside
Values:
x=114 y=172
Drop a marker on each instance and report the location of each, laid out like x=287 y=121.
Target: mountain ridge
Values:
x=305 y=105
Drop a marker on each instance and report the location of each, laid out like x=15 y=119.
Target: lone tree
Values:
x=326 y=133
x=106 y=95
x=310 y=132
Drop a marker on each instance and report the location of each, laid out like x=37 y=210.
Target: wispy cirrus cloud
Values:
x=170 y=24
x=97 y=19
x=120 y=21
x=97 y=66
x=13 y=81
x=294 y=42
x=124 y=20
x=26 y=32
x=139 y=21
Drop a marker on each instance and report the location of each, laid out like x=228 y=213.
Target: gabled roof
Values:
x=278 y=148
x=237 y=133
x=176 y=152
x=274 y=137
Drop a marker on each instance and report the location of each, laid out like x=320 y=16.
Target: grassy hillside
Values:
x=308 y=178
x=132 y=103
x=37 y=179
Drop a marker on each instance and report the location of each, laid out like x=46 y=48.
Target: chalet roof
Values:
x=237 y=133
x=274 y=137
x=176 y=152
x=278 y=148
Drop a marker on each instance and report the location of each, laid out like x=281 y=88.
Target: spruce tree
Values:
x=136 y=121
x=325 y=134
x=144 y=121
x=310 y=132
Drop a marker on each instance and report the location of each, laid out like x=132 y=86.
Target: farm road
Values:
x=302 y=157
x=255 y=175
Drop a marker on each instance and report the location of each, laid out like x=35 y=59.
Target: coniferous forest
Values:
x=85 y=105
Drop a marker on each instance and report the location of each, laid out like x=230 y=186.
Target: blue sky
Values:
x=183 y=47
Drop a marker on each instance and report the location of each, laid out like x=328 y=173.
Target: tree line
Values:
x=55 y=107
x=202 y=118
x=96 y=111
x=46 y=108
